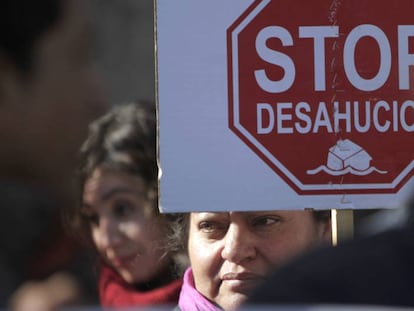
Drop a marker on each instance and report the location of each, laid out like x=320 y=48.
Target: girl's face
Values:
x=230 y=253
x=124 y=229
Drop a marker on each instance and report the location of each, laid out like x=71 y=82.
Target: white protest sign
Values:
x=285 y=104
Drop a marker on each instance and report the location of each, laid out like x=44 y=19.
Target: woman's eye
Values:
x=122 y=209
x=209 y=226
x=206 y=226
x=265 y=221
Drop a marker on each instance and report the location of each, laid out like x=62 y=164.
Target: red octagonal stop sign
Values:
x=322 y=91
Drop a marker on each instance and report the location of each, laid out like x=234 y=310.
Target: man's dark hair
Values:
x=22 y=23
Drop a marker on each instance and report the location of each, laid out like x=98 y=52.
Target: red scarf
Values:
x=115 y=292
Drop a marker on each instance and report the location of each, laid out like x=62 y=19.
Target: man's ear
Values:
x=12 y=105
x=10 y=82
x=325 y=231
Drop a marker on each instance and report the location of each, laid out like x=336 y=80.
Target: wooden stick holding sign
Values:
x=342 y=225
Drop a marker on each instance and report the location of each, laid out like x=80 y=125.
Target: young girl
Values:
x=118 y=177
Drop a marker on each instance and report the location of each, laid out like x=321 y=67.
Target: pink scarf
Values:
x=191 y=299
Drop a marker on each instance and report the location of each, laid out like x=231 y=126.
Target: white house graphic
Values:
x=348 y=154
x=347 y=157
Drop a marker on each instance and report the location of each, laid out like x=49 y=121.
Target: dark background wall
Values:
x=124 y=45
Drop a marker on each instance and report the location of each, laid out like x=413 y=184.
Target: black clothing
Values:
x=25 y=216
x=33 y=244
x=376 y=270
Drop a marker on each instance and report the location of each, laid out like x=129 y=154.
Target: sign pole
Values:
x=342 y=225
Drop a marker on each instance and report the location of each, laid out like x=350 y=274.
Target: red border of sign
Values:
x=276 y=169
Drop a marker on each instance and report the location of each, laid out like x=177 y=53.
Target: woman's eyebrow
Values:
x=114 y=191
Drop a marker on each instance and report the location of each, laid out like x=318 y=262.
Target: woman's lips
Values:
x=123 y=261
x=241 y=282
x=241 y=276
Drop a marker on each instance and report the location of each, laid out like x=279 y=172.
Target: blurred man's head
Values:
x=48 y=89
x=23 y=22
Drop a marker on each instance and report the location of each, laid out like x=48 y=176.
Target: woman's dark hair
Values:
x=178 y=232
x=22 y=23
x=122 y=140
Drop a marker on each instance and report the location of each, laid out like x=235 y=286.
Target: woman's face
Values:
x=231 y=252
x=124 y=229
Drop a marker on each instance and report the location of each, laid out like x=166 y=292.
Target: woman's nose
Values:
x=239 y=245
x=109 y=234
